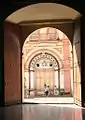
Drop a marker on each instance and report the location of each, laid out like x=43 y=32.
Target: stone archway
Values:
x=53 y=46
x=43 y=69
x=77 y=97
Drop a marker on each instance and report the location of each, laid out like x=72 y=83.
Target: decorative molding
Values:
x=37 y=51
x=44 y=60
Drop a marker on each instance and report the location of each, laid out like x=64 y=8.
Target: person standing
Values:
x=46 y=90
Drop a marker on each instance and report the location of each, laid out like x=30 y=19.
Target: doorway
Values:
x=49 y=61
x=34 y=44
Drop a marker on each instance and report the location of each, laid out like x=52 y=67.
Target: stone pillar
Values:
x=66 y=65
x=32 y=82
x=56 y=78
x=26 y=74
x=61 y=80
x=23 y=94
x=71 y=71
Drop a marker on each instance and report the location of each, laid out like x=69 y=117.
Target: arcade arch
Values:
x=37 y=50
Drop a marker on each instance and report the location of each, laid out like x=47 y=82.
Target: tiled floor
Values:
x=42 y=112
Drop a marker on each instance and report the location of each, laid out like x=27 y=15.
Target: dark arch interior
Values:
x=13 y=28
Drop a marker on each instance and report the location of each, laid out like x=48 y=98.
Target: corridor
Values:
x=42 y=112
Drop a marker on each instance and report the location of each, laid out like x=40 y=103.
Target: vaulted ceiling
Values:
x=43 y=11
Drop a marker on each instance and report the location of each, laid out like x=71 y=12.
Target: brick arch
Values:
x=50 y=51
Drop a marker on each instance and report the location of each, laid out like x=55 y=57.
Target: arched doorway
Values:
x=44 y=69
x=69 y=16
x=48 y=61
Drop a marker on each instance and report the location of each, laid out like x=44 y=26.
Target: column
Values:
x=26 y=79
x=72 y=80
x=56 y=78
x=61 y=79
x=23 y=93
x=66 y=64
x=32 y=81
x=26 y=83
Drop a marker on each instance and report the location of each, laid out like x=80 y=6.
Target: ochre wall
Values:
x=12 y=77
